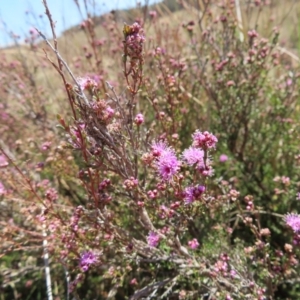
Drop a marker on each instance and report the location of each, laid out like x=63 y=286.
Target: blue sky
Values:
x=19 y=16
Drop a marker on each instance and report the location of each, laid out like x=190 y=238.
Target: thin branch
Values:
x=148 y=289
x=47 y=266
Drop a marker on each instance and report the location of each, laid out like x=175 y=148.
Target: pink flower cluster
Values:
x=195 y=157
x=167 y=163
x=193 y=244
x=51 y=194
x=153 y=239
x=87 y=259
x=193 y=193
x=293 y=221
x=86 y=83
x=139 y=119
x=204 y=140
x=134 y=39
x=130 y=184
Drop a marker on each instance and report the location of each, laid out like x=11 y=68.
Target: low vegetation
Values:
x=156 y=159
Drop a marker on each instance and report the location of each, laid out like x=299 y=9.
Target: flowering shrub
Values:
x=172 y=177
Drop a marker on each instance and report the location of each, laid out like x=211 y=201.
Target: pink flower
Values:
x=45 y=146
x=133 y=281
x=230 y=83
x=104 y=184
x=139 y=119
x=130 y=184
x=189 y=195
x=192 y=193
x=86 y=82
x=233 y=274
x=223 y=158
x=204 y=140
x=289 y=82
x=109 y=111
x=134 y=39
x=193 y=244
x=95 y=77
x=205 y=169
x=167 y=164
x=158 y=148
x=165 y=212
x=193 y=156
x=33 y=31
x=87 y=259
x=252 y=33
x=152 y=14
x=293 y=221
x=51 y=194
x=153 y=239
